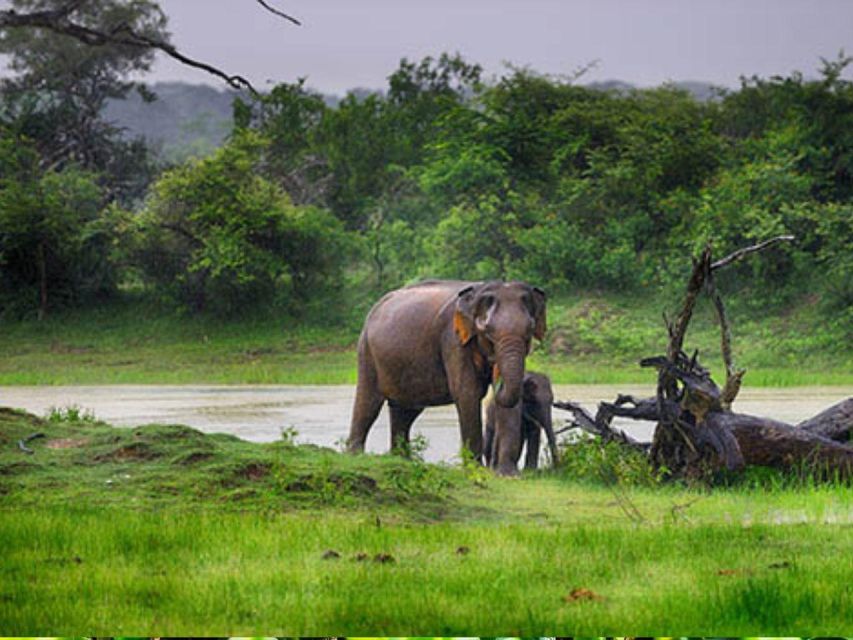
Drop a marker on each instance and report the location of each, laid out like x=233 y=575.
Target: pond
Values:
x=320 y=414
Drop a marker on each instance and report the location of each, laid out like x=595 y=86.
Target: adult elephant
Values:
x=440 y=342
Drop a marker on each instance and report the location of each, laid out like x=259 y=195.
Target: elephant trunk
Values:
x=509 y=356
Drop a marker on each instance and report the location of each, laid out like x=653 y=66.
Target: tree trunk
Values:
x=42 y=269
x=834 y=423
x=761 y=441
x=771 y=443
x=697 y=432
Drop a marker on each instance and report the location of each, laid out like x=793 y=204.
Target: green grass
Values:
x=162 y=529
x=593 y=338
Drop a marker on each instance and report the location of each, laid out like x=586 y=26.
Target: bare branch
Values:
x=582 y=418
x=694 y=286
x=134 y=39
x=600 y=425
x=733 y=375
x=740 y=253
x=275 y=11
x=58 y=21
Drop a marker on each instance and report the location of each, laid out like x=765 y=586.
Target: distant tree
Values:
x=217 y=236
x=54 y=244
x=61 y=85
x=288 y=117
x=821 y=110
x=419 y=93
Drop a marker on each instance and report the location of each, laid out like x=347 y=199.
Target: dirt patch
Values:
x=193 y=457
x=168 y=432
x=254 y=471
x=566 y=341
x=580 y=594
x=234 y=477
x=260 y=351
x=352 y=483
x=66 y=443
x=14 y=468
x=16 y=415
x=133 y=452
x=61 y=347
x=384 y=558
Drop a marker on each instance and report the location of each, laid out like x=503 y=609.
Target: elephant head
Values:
x=502 y=317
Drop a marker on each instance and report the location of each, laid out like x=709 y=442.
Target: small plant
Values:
x=70 y=413
x=415 y=477
x=592 y=460
x=289 y=435
x=473 y=470
x=414 y=449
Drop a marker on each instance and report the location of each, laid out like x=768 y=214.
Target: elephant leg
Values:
x=489 y=437
x=550 y=437
x=368 y=402
x=532 y=439
x=471 y=425
x=508 y=446
x=401 y=426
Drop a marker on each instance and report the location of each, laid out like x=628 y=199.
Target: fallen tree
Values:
x=697 y=433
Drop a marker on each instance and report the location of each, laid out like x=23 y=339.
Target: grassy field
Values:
x=592 y=339
x=161 y=529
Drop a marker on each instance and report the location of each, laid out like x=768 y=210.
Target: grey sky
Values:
x=352 y=43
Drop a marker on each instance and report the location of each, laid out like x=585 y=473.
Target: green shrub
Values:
x=54 y=241
x=593 y=461
x=217 y=236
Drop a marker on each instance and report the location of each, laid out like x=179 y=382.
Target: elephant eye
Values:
x=488 y=301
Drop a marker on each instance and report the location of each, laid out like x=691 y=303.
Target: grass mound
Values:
x=84 y=461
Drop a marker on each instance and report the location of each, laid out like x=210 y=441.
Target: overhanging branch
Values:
x=59 y=21
x=275 y=11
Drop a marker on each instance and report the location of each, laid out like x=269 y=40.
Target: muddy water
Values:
x=320 y=414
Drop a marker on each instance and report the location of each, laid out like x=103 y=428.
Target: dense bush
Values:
x=55 y=246
x=215 y=235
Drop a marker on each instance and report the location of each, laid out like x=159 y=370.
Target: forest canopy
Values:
x=440 y=174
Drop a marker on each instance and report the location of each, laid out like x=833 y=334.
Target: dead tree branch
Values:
x=733 y=376
x=275 y=11
x=823 y=440
x=696 y=430
x=740 y=253
x=599 y=425
x=60 y=21
x=835 y=423
x=694 y=287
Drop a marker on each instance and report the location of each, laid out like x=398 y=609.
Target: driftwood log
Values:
x=697 y=433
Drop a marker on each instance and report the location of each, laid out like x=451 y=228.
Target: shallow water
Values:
x=321 y=414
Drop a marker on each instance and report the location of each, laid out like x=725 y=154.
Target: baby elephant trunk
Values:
x=509 y=356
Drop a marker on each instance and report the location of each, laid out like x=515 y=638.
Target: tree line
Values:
x=442 y=174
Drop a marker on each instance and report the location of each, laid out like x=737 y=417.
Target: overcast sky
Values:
x=357 y=43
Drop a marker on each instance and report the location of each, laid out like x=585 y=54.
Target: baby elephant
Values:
x=534 y=416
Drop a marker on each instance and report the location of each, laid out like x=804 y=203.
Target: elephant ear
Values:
x=463 y=316
x=539 y=313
